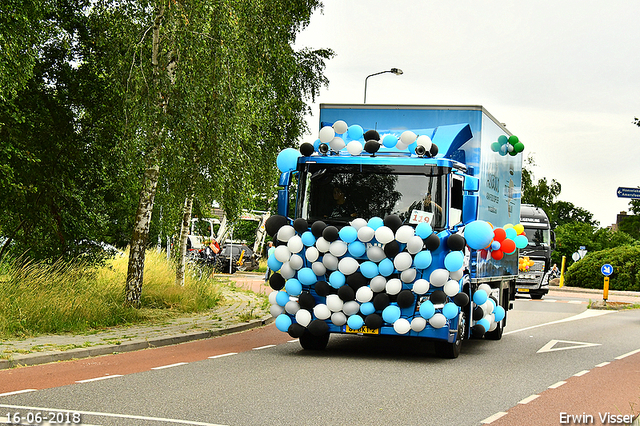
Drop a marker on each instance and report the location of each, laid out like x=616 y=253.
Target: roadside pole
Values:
x=564 y=258
x=606 y=270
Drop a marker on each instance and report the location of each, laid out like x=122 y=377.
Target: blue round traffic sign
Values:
x=606 y=269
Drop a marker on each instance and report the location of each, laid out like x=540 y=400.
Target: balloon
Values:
x=358 y=223
x=306 y=300
x=438 y=320
x=479 y=297
x=456 y=275
x=497 y=254
x=375 y=253
x=418 y=324
x=381 y=301
x=369 y=269
x=293 y=287
x=273 y=263
x=339 y=318
x=336 y=144
x=348 y=234
x=346 y=293
x=391 y=249
x=511 y=233
x=385 y=267
x=296 y=330
x=340 y=127
x=375 y=223
x=484 y=323
x=338 y=248
x=422 y=260
x=357 y=249
x=355 y=132
x=364 y=294
x=519 y=228
x=300 y=225
x=454 y=260
x=323 y=289
x=378 y=283
x=408 y=137
x=291 y=307
x=521 y=241
x=402 y=326
x=321 y=311
x=508 y=246
x=499 y=234
x=478 y=234
x=326 y=134
x=389 y=141
x=427 y=310
x=308 y=239
x=485 y=287
x=438 y=297
x=282 y=298
x=348 y=265
x=276 y=281
x=495 y=245
x=406 y=298
x=518 y=147
x=318 y=327
x=323 y=245
x=351 y=307
x=319 y=269
x=393 y=222
x=307 y=276
x=330 y=233
x=357 y=280
x=286 y=232
x=384 y=235
x=311 y=254
x=424 y=141
x=404 y=233
x=337 y=279
x=451 y=288
x=421 y=286
x=296 y=262
x=354 y=147
x=408 y=275
x=403 y=261
x=276 y=310
x=391 y=314
x=287 y=159
x=283 y=322
x=423 y=230
x=366 y=234
x=274 y=223
x=393 y=286
x=439 y=277
x=334 y=303
x=373 y=321
x=450 y=310
x=317 y=227
x=499 y=313
x=355 y=322
x=415 y=244
x=461 y=299
x=456 y=242
x=432 y=242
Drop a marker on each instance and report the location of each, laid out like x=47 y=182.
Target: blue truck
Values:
x=398 y=220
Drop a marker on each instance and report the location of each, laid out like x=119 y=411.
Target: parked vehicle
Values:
x=535 y=264
x=241 y=257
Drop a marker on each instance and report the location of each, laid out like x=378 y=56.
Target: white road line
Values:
x=628 y=354
x=528 y=399
x=557 y=385
x=99 y=378
x=589 y=313
x=223 y=355
x=602 y=364
x=18 y=392
x=169 y=366
x=575 y=302
x=264 y=347
x=292 y=341
x=119 y=416
x=493 y=418
x=581 y=373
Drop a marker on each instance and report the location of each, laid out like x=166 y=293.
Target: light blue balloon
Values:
x=369 y=269
x=423 y=259
x=427 y=310
x=367 y=308
x=391 y=314
x=355 y=132
x=389 y=141
x=357 y=248
x=478 y=234
x=495 y=245
x=307 y=276
x=485 y=323
x=273 y=263
x=375 y=223
x=337 y=279
x=454 y=261
x=293 y=287
x=283 y=322
x=521 y=241
x=450 y=310
x=498 y=312
x=288 y=159
x=348 y=234
x=385 y=267
x=308 y=239
x=316 y=144
x=412 y=147
x=511 y=233
x=479 y=297
x=423 y=230
x=282 y=298
x=355 y=322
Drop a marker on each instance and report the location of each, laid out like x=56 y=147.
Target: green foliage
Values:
x=572 y=235
x=626 y=266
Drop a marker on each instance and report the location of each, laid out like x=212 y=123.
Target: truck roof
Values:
x=533 y=216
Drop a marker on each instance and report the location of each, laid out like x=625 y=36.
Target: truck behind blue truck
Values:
x=535 y=266
x=398 y=220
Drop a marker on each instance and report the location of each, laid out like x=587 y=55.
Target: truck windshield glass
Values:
x=339 y=194
x=538 y=236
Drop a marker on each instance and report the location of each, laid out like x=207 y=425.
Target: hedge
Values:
x=626 y=269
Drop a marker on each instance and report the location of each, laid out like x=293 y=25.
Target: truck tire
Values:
x=309 y=342
x=452 y=350
x=536 y=296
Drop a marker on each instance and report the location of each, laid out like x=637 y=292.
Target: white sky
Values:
x=564 y=76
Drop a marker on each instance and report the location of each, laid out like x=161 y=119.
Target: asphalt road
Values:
x=555 y=357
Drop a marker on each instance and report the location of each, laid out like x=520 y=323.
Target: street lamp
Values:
x=396 y=71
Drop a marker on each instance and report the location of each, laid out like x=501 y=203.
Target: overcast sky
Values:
x=564 y=76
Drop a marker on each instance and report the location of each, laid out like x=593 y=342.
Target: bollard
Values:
x=605 y=292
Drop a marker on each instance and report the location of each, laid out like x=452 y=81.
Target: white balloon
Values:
x=322 y=245
x=334 y=303
x=366 y=234
x=418 y=324
x=296 y=262
x=348 y=265
x=282 y=253
x=488 y=307
x=493 y=326
x=303 y=317
x=337 y=144
x=415 y=245
x=276 y=310
x=292 y=307
x=321 y=311
x=421 y=286
x=402 y=261
x=401 y=146
x=408 y=137
x=339 y=318
x=407 y=276
x=378 y=283
x=394 y=286
x=438 y=320
x=456 y=275
x=404 y=233
x=286 y=232
x=326 y=134
x=318 y=268
x=364 y=294
x=485 y=287
x=287 y=271
x=311 y=254
x=358 y=223
x=354 y=147
x=340 y=127
x=295 y=244
x=402 y=326
x=338 y=248
x=351 y=307
x=375 y=253
x=384 y=235
x=272 y=297
x=439 y=277
x=451 y=288
x=425 y=141
x=330 y=262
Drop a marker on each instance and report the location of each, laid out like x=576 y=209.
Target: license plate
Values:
x=523 y=290
x=362 y=330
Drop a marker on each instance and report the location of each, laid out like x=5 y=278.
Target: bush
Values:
x=626 y=269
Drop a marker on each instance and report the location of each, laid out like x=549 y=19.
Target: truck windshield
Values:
x=339 y=194
x=537 y=236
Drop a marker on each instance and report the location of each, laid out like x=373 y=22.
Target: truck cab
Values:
x=535 y=258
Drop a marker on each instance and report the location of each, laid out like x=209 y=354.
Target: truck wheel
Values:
x=452 y=350
x=310 y=342
x=536 y=296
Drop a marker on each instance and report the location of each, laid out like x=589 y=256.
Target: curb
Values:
x=78 y=353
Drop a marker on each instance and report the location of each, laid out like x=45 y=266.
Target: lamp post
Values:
x=396 y=71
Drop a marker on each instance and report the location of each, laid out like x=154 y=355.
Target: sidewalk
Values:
x=230 y=317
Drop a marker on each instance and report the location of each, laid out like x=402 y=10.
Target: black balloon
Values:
x=393 y=222
x=318 y=327
x=372 y=146
x=478 y=313
x=356 y=280
x=391 y=249
x=323 y=288
x=406 y=298
x=477 y=331
x=306 y=301
x=300 y=225
x=317 y=228
x=296 y=330
x=274 y=223
x=373 y=321
x=307 y=149
x=432 y=242
x=434 y=150
x=346 y=293
x=330 y=233
x=456 y=242
x=438 y=297
x=461 y=299
x=276 y=281
x=381 y=301
x=371 y=134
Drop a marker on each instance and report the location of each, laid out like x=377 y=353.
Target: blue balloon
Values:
x=423 y=259
x=479 y=297
x=282 y=298
x=308 y=239
x=423 y=230
x=478 y=234
x=450 y=310
x=485 y=323
x=412 y=147
x=427 y=310
x=283 y=322
x=454 y=261
x=355 y=322
x=293 y=287
x=521 y=241
x=357 y=248
x=369 y=269
x=498 y=312
x=391 y=314
x=316 y=144
x=511 y=233
x=288 y=159
x=385 y=267
x=337 y=279
x=273 y=263
x=375 y=223
x=307 y=276
x=389 y=141
x=495 y=245
x=355 y=132
x=367 y=308
x=348 y=234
